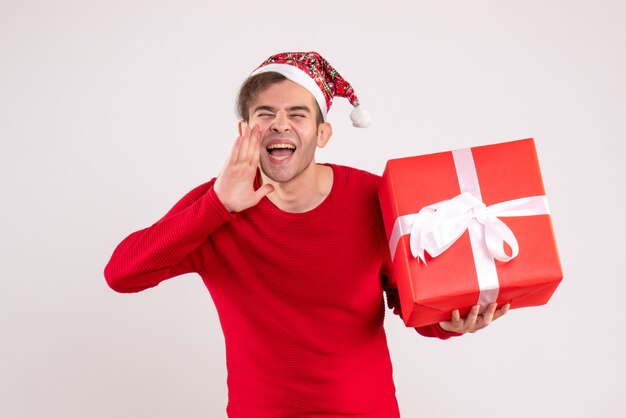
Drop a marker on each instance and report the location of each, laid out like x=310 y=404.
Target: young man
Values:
x=293 y=253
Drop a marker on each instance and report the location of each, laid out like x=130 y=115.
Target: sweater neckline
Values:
x=267 y=204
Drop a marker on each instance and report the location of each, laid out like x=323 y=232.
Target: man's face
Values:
x=286 y=116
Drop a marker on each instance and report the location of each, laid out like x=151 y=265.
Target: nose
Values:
x=280 y=123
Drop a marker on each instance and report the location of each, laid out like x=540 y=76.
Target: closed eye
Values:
x=264 y=111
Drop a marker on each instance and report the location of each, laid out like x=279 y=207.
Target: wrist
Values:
x=220 y=196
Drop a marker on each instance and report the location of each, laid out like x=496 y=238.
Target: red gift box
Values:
x=469 y=227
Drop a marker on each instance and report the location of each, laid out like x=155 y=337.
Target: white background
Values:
x=112 y=110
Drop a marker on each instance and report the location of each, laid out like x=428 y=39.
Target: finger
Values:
x=487 y=316
x=249 y=150
x=256 y=150
x=253 y=145
x=491 y=309
x=472 y=318
x=456 y=317
x=455 y=324
x=244 y=153
x=234 y=151
x=264 y=191
x=245 y=144
x=502 y=311
x=473 y=313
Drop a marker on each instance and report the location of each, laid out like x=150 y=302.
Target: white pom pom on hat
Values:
x=313 y=72
x=360 y=117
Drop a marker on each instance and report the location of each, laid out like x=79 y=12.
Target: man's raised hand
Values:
x=235 y=184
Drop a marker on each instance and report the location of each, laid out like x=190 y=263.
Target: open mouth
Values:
x=280 y=152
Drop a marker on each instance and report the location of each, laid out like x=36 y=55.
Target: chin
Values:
x=284 y=173
x=278 y=176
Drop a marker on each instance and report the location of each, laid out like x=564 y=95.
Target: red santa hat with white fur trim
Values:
x=314 y=73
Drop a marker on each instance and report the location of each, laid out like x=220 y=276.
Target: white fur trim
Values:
x=298 y=76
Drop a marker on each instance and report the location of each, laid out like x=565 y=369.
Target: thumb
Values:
x=264 y=191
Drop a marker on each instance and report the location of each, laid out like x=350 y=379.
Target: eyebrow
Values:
x=289 y=109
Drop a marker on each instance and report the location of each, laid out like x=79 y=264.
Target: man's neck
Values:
x=304 y=192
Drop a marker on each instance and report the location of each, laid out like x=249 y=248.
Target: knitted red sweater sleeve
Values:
x=433 y=330
x=147 y=257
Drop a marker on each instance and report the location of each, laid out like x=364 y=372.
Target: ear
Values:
x=241 y=126
x=324 y=132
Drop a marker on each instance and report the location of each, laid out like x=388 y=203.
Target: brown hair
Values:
x=254 y=85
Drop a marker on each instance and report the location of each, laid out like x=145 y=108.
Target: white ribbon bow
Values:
x=436 y=227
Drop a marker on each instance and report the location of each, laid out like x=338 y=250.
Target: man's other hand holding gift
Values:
x=473 y=321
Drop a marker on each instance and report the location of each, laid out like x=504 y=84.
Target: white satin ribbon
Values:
x=436 y=227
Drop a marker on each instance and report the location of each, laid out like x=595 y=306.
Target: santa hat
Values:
x=314 y=73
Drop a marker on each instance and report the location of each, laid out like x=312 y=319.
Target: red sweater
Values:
x=299 y=296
